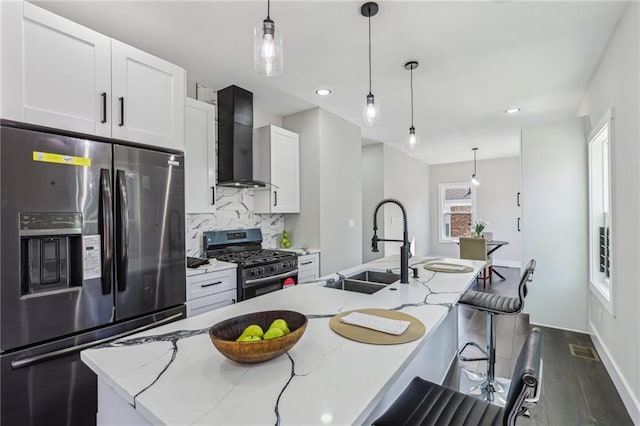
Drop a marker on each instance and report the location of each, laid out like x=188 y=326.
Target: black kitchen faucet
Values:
x=406 y=245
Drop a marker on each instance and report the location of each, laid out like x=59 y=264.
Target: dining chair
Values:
x=476 y=249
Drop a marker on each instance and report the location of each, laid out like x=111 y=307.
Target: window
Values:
x=600 y=227
x=457 y=210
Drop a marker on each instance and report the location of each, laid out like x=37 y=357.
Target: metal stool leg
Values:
x=486 y=386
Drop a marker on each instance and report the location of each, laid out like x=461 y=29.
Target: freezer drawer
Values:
x=49 y=385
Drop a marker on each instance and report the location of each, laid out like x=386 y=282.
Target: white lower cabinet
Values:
x=308 y=267
x=211 y=290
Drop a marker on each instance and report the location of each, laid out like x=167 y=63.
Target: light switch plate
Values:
x=351 y=224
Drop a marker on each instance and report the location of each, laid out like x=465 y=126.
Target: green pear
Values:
x=272 y=333
x=252 y=330
x=249 y=339
x=281 y=324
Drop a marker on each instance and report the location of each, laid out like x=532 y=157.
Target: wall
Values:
x=234 y=211
x=372 y=193
x=407 y=180
x=304 y=228
x=495 y=203
x=331 y=188
x=615 y=85
x=554 y=222
x=340 y=192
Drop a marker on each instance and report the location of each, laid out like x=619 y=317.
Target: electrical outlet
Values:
x=351 y=224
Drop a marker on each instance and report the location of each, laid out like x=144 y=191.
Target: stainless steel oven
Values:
x=260 y=271
x=253 y=287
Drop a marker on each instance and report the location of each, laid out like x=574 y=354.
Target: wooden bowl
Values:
x=224 y=334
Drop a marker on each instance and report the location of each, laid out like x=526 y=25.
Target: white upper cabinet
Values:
x=55 y=72
x=59 y=74
x=276 y=159
x=200 y=156
x=148 y=98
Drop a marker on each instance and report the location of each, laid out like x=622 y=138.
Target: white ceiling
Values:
x=476 y=60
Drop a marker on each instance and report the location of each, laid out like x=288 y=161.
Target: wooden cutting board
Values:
x=365 y=335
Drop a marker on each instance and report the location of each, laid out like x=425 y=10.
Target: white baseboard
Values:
x=555 y=326
x=626 y=393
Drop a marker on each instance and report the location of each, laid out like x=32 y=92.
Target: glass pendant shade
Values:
x=413 y=139
x=475 y=181
x=267 y=49
x=370 y=111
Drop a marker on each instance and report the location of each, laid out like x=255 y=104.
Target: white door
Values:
x=285 y=171
x=148 y=98
x=200 y=156
x=56 y=73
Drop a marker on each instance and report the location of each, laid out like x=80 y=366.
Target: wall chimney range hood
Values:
x=235 y=139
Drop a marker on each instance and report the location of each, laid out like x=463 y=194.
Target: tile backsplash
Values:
x=234 y=211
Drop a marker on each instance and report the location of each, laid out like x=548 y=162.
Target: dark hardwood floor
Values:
x=575 y=390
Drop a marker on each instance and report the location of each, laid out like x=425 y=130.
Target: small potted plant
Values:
x=479 y=227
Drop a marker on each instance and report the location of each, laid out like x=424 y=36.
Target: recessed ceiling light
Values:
x=512 y=110
x=323 y=92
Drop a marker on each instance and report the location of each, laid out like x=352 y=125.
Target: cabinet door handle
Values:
x=210 y=284
x=121 y=99
x=104 y=107
x=519 y=225
x=275 y=198
x=213 y=195
x=518 y=199
x=306 y=263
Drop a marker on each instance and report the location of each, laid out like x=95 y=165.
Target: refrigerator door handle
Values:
x=26 y=362
x=122 y=230
x=106 y=226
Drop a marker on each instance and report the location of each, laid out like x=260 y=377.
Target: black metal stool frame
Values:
x=487 y=384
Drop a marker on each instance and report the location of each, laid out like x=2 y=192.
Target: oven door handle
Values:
x=271 y=278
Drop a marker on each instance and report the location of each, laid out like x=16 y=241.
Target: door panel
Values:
x=150 y=252
x=41 y=386
x=148 y=98
x=285 y=171
x=69 y=94
x=32 y=313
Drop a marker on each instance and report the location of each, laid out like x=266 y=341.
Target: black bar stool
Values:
x=487 y=386
x=428 y=404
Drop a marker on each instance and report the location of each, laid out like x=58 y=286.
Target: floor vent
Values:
x=583 y=352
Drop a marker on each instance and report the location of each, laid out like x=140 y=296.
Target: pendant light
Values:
x=412 y=139
x=267 y=47
x=474 y=180
x=370 y=108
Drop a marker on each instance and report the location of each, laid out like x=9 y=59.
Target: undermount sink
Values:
x=376 y=277
x=357 y=286
x=367 y=282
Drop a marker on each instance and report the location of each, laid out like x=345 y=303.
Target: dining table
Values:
x=492 y=246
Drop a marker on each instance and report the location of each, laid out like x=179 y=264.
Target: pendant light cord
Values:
x=474 y=161
x=268 y=8
x=369 y=50
x=412 y=96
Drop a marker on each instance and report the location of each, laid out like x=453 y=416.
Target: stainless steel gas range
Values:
x=260 y=271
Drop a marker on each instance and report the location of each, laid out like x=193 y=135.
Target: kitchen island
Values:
x=174 y=375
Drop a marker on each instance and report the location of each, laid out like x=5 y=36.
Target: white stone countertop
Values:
x=213 y=266
x=300 y=251
x=174 y=375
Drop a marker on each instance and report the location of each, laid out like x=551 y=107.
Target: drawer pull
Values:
x=210 y=284
x=307 y=263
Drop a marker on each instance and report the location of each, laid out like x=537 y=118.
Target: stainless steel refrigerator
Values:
x=91 y=248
